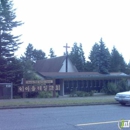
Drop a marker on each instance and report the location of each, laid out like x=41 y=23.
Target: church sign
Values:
x=38 y=85
x=38 y=81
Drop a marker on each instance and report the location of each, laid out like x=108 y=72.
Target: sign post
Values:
x=24 y=93
x=54 y=84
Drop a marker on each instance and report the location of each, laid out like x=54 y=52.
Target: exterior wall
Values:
x=82 y=85
x=71 y=68
x=61 y=88
x=128 y=82
x=86 y=85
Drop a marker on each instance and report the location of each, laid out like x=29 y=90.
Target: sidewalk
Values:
x=56 y=102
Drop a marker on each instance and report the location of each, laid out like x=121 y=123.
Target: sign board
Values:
x=38 y=85
x=6 y=91
x=38 y=81
x=33 y=88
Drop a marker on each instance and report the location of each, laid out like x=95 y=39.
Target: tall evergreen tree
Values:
x=52 y=54
x=8 y=42
x=82 y=57
x=3 y=70
x=94 y=57
x=104 y=57
x=117 y=61
x=29 y=52
x=100 y=58
x=38 y=55
x=15 y=74
x=31 y=55
x=77 y=57
x=127 y=69
x=88 y=66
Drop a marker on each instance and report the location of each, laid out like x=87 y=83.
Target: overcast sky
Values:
x=53 y=23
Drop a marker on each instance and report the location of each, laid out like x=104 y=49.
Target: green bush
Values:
x=47 y=94
x=73 y=94
x=17 y=97
x=81 y=94
x=112 y=88
x=123 y=85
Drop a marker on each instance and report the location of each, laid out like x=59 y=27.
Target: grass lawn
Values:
x=61 y=101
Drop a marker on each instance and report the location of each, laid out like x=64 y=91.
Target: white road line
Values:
x=98 y=123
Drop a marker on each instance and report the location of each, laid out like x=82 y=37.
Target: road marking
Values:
x=98 y=123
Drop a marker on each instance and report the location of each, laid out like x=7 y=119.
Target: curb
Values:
x=48 y=106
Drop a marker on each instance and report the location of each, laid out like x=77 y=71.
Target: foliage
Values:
x=117 y=63
x=46 y=94
x=100 y=58
x=3 y=70
x=88 y=66
x=123 y=85
x=113 y=88
x=77 y=57
x=15 y=74
x=38 y=55
x=127 y=69
x=81 y=94
x=28 y=70
x=31 y=55
x=94 y=57
x=8 y=42
x=52 y=54
x=104 y=62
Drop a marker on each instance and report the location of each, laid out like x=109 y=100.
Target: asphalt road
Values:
x=96 y=117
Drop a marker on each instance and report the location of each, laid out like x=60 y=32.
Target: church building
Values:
x=67 y=76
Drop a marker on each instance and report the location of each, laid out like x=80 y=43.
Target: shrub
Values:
x=73 y=94
x=112 y=88
x=17 y=97
x=123 y=85
x=81 y=94
x=47 y=94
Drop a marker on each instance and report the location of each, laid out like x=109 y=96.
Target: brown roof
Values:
x=68 y=74
x=117 y=73
x=49 y=65
x=79 y=75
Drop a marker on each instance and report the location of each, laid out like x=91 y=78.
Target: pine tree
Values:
x=52 y=54
x=82 y=57
x=117 y=61
x=127 y=69
x=94 y=57
x=88 y=66
x=15 y=74
x=29 y=52
x=100 y=58
x=77 y=57
x=104 y=57
x=31 y=55
x=8 y=42
x=38 y=55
